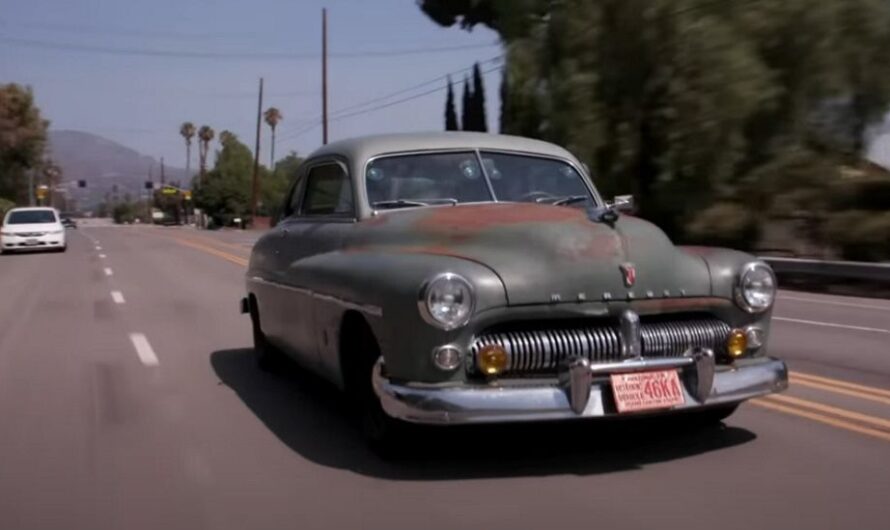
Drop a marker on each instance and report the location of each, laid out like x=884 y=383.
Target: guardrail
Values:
x=836 y=270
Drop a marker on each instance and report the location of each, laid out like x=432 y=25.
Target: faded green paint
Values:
x=525 y=261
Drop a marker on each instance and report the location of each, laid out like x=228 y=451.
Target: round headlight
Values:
x=447 y=301
x=756 y=290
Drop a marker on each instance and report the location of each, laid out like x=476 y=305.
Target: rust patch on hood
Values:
x=482 y=216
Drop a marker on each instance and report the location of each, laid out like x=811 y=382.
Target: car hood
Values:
x=33 y=227
x=543 y=253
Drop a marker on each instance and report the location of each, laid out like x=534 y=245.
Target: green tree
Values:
x=466 y=106
x=480 y=121
x=187 y=131
x=685 y=102
x=277 y=184
x=272 y=116
x=225 y=193
x=205 y=136
x=450 y=112
x=22 y=140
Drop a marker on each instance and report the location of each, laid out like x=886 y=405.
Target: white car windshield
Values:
x=27 y=217
x=456 y=177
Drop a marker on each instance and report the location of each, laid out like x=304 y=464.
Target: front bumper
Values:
x=18 y=243
x=582 y=391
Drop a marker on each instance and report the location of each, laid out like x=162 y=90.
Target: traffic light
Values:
x=149 y=185
x=81 y=184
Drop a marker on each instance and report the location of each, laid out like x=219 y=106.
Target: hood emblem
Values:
x=630 y=274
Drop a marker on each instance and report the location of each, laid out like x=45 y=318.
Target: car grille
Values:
x=540 y=351
x=30 y=234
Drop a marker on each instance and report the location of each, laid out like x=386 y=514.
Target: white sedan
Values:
x=32 y=229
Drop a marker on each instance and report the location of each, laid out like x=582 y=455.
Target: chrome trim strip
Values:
x=368 y=309
x=498 y=403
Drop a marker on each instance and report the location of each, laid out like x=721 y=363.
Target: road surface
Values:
x=129 y=400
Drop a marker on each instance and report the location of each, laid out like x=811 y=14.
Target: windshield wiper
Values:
x=410 y=203
x=563 y=201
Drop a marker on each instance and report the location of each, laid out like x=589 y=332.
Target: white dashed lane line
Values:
x=144 y=350
x=108 y=271
x=831 y=325
x=102 y=256
x=118 y=297
x=834 y=302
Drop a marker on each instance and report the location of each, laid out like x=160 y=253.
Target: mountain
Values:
x=103 y=164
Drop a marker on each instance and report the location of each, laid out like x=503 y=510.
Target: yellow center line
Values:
x=840 y=390
x=210 y=250
x=823 y=419
x=841 y=384
x=874 y=421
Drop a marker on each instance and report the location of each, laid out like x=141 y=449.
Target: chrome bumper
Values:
x=582 y=391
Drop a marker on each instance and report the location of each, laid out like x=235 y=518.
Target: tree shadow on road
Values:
x=311 y=417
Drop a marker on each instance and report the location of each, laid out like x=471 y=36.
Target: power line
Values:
x=339 y=113
x=378 y=107
x=178 y=54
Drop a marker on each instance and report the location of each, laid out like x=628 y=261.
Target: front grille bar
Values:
x=542 y=350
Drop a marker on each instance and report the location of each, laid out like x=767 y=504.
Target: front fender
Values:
x=385 y=287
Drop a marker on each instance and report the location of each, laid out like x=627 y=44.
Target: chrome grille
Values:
x=542 y=350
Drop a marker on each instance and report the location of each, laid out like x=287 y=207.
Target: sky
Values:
x=133 y=71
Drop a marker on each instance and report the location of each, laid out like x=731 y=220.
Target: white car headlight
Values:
x=756 y=290
x=447 y=301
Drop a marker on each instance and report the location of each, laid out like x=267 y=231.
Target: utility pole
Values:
x=324 y=75
x=255 y=191
x=163 y=178
x=31 y=186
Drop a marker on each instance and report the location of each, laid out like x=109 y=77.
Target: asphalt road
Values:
x=129 y=400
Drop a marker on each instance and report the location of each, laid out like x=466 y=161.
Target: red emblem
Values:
x=630 y=274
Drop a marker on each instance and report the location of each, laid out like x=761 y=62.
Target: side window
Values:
x=328 y=192
x=296 y=193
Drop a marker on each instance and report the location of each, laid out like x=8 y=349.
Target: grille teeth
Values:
x=541 y=351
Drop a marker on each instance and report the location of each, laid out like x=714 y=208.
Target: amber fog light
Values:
x=737 y=343
x=492 y=359
x=446 y=358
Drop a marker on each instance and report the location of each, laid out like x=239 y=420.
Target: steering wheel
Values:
x=536 y=196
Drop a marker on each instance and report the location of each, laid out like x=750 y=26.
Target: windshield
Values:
x=26 y=217
x=441 y=178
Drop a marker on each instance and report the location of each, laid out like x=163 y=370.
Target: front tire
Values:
x=268 y=358
x=360 y=352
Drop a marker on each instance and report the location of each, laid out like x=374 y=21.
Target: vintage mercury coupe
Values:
x=453 y=278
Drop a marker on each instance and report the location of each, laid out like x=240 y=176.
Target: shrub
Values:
x=860 y=235
x=725 y=224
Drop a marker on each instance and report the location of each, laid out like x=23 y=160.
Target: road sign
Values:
x=169 y=190
x=187 y=195
x=42 y=191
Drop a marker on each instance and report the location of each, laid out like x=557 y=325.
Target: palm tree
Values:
x=205 y=136
x=272 y=116
x=187 y=131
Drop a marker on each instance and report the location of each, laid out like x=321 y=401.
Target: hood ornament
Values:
x=629 y=271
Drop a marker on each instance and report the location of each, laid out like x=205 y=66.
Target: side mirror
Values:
x=623 y=203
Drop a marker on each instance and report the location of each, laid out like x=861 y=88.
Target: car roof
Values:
x=33 y=209
x=365 y=147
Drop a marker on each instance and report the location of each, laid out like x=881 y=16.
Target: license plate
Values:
x=647 y=390
x=31 y=241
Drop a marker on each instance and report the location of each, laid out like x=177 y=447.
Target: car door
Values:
x=315 y=227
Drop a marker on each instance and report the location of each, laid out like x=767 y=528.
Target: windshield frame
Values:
x=478 y=152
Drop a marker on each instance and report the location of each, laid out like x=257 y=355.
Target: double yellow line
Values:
x=849 y=420
x=834 y=416
x=198 y=245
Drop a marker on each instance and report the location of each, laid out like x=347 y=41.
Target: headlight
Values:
x=447 y=301
x=756 y=289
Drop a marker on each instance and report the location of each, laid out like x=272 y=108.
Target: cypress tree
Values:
x=480 y=122
x=466 y=119
x=450 y=113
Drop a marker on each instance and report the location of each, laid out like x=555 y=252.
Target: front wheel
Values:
x=268 y=357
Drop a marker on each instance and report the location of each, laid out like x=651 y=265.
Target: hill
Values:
x=103 y=164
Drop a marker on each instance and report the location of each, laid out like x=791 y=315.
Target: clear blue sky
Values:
x=140 y=100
